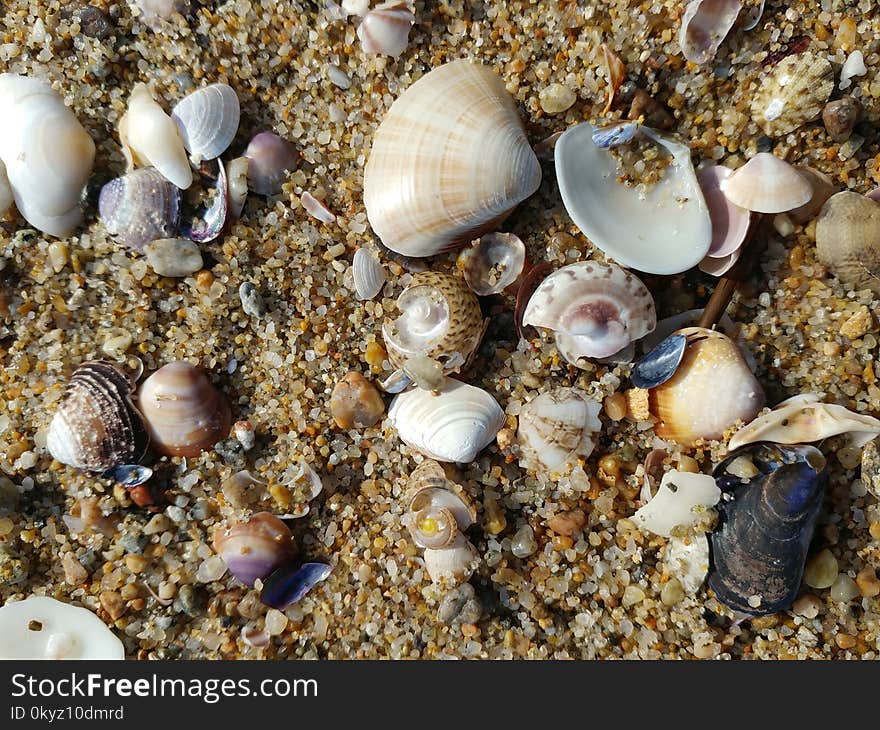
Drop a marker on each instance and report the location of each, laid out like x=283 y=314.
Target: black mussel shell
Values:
x=659 y=365
x=291 y=582
x=760 y=544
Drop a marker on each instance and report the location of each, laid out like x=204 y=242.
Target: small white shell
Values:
x=804 y=419
x=493 y=263
x=767 y=184
x=368 y=273
x=680 y=496
x=150 y=137
x=662 y=229
x=385 y=29
x=687 y=558
x=454 y=424
x=453 y=564
x=853 y=66
x=207 y=120
x=704 y=25
x=6 y=198
x=316 y=208
x=237 y=175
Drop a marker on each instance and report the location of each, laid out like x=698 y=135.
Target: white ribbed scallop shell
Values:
x=449 y=161
x=368 y=273
x=207 y=120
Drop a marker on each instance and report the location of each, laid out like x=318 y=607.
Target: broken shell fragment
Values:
x=687 y=558
x=848 y=239
x=254 y=548
x=704 y=25
x=680 y=501
x=385 y=29
x=659 y=364
x=291 y=582
x=600 y=308
x=316 y=208
x=767 y=184
x=271 y=158
x=659 y=228
x=368 y=273
x=614 y=135
x=793 y=94
x=453 y=564
x=730 y=222
x=805 y=419
x=493 y=263
x=237 y=175
x=448 y=163
x=453 y=424
x=207 y=120
x=208 y=225
x=140 y=207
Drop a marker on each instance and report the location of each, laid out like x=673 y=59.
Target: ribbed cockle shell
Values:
x=185 y=414
x=793 y=93
x=448 y=163
x=848 y=239
x=254 y=548
x=140 y=207
x=96 y=426
x=207 y=120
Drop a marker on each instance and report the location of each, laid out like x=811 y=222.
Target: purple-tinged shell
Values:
x=291 y=582
x=255 y=548
x=730 y=223
x=209 y=225
x=271 y=158
x=140 y=207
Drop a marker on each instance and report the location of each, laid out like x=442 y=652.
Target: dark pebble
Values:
x=191 y=600
x=94 y=22
x=231 y=451
x=132 y=543
x=764 y=143
x=840 y=117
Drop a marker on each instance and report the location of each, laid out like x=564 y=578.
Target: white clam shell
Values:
x=385 y=29
x=704 y=25
x=453 y=564
x=662 y=229
x=687 y=558
x=448 y=163
x=150 y=137
x=453 y=425
x=556 y=426
x=368 y=273
x=207 y=120
x=598 y=308
x=767 y=184
x=47 y=154
x=805 y=419
x=493 y=263
x=678 y=502
x=65 y=632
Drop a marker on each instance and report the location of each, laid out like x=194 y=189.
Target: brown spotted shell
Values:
x=793 y=94
x=848 y=239
x=440 y=319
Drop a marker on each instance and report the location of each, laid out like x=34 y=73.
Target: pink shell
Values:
x=719 y=266
x=730 y=223
x=874 y=194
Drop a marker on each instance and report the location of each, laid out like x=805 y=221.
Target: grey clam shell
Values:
x=208 y=120
x=758 y=550
x=140 y=207
x=97 y=427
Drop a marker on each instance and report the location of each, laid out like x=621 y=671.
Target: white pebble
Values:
x=173 y=257
x=853 y=66
x=276 y=622
x=211 y=569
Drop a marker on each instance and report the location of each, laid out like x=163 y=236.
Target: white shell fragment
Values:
x=453 y=424
x=47 y=154
x=6 y=198
x=660 y=229
x=598 y=309
x=237 y=176
x=453 y=564
x=804 y=419
x=687 y=558
x=385 y=29
x=43 y=628
x=368 y=273
x=316 y=208
x=207 y=120
x=173 y=257
x=704 y=25
x=493 y=263
x=767 y=184
x=678 y=502
x=150 y=137
x=852 y=67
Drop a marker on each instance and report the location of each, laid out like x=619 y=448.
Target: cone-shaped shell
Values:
x=711 y=390
x=759 y=547
x=96 y=427
x=767 y=184
x=848 y=239
x=185 y=414
x=448 y=163
x=793 y=93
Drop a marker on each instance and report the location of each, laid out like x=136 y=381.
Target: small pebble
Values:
x=251 y=302
x=821 y=570
x=857 y=325
x=867 y=582
x=807 y=606
x=231 y=451
x=94 y=22
x=173 y=257
x=672 y=592
x=632 y=595
x=849 y=148
x=211 y=569
x=844 y=589
x=852 y=67
x=244 y=432
x=113 y=603
x=191 y=600
x=494 y=519
x=355 y=402
x=568 y=523
x=460 y=606
x=840 y=117
x=74 y=573
x=337 y=77
x=523 y=543
x=556 y=98
x=276 y=622
x=13 y=568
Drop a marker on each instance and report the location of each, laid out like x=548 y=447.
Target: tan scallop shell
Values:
x=848 y=239
x=712 y=389
x=793 y=94
x=449 y=162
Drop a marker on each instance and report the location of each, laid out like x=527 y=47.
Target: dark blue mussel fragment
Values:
x=614 y=135
x=291 y=582
x=758 y=550
x=659 y=365
x=129 y=475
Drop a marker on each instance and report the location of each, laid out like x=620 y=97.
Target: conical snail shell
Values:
x=441 y=319
x=140 y=207
x=96 y=427
x=47 y=153
x=711 y=390
x=185 y=414
x=207 y=120
x=448 y=163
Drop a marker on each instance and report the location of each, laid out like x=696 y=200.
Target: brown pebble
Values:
x=568 y=523
x=615 y=406
x=655 y=114
x=858 y=325
x=845 y=641
x=355 y=402
x=840 y=116
x=74 y=572
x=868 y=582
x=113 y=604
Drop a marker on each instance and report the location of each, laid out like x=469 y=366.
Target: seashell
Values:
x=6 y=196
x=43 y=628
x=449 y=162
x=271 y=158
x=600 y=307
x=290 y=583
x=615 y=135
x=759 y=547
x=687 y=558
x=96 y=426
x=661 y=229
x=871 y=468
x=704 y=26
x=530 y=281
x=237 y=175
x=153 y=12
x=368 y=273
x=680 y=501
x=355 y=402
x=793 y=93
x=453 y=564
x=454 y=424
x=428 y=486
x=207 y=120
x=129 y=475
x=150 y=138
x=719 y=266
x=752 y=16
x=545 y=149
x=208 y=225
x=848 y=239
x=555 y=427
x=316 y=208
x=730 y=223
x=660 y=364
x=47 y=155
x=433 y=527
x=440 y=318
x=822 y=189
x=385 y=29
x=767 y=184
x=711 y=390
x=804 y=419
x=256 y=547
x=616 y=73
x=140 y=207
x=185 y=414
x=852 y=67
x=689 y=318
x=493 y=263
x=397 y=382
